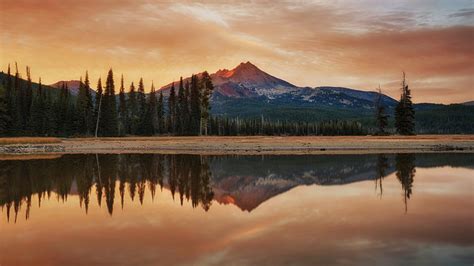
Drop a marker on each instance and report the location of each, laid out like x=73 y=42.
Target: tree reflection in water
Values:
x=20 y=180
x=189 y=178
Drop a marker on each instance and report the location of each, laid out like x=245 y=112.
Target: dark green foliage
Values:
x=133 y=111
x=450 y=119
x=171 y=121
x=99 y=97
x=64 y=113
x=4 y=115
x=38 y=120
x=9 y=96
x=142 y=108
x=381 y=117
x=195 y=106
x=161 y=114
x=109 y=109
x=84 y=108
x=404 y=112
x=206 y=91
x=224 y=126
x=182 y=109
x=150 y=122
x=123 y=114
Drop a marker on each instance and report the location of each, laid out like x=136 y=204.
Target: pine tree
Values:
x=161 y=114
x=4 y=115
x=195 y=106
x=206 y=92
x=141 y=98
x=186 y=105
x=172 y=110
x=84 y=108
x=98 y=106
x=50 y=115
x=150 y=122
x=404 y=112
x=142 y=107
x=381 y=117
x=123 y=112
x=9 y=98
x=89 y=109
x=133 y=112
x=38 y=112
x=109 y=109
x=63 y=111
x=17 y=116
x=182 y=109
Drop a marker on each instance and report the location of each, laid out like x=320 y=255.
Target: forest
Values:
x=33 y=109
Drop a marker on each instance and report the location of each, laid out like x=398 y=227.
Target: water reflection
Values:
x=246 y=181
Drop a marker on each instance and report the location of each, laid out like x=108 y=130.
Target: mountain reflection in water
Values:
x=245 y=181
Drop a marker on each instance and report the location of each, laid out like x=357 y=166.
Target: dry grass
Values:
x=23 y=157
x=28 y=140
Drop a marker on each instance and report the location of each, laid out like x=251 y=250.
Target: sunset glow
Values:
x=356 y=44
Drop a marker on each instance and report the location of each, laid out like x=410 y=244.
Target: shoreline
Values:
x=249 y=145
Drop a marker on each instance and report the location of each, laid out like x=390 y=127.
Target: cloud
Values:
x=356 y=44
x=200 y=12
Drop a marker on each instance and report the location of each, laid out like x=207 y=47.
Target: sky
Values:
x=356 y=44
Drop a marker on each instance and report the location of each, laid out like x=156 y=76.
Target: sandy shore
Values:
x=251 y=145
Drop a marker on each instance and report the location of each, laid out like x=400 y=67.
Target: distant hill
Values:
x=471 y=103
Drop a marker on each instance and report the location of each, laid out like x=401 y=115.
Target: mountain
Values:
x=72 y=85
x=248 y=92
x=470 y=103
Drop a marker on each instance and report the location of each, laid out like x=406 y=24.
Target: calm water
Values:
x=405 y=209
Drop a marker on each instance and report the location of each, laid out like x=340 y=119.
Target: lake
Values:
x=154 y=209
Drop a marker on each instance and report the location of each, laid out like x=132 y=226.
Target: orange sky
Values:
x=357 y=44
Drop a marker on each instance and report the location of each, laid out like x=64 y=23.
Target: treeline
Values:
x=223 y=126
x=44 y=111
x=47 y=113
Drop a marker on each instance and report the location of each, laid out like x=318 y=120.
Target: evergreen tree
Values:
x=50 y=115
x=206 y=92
x=404 y=112
x=63 y=111
x=84 y=108
x=133 y=110
x=27 y=99
x=150 y=126
x=186 y=105
x=38 y=112
x=161 y=114
x=380 y=116
x=9 y=98
x=18 y=102
x=98 y=105
x=123 y=112
x=109 y=108
x=89 y=109
x=195 y=106
x=142 y=107
x=182 y=108
x=4 y=115
x=141 y=98
x=172 y=110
